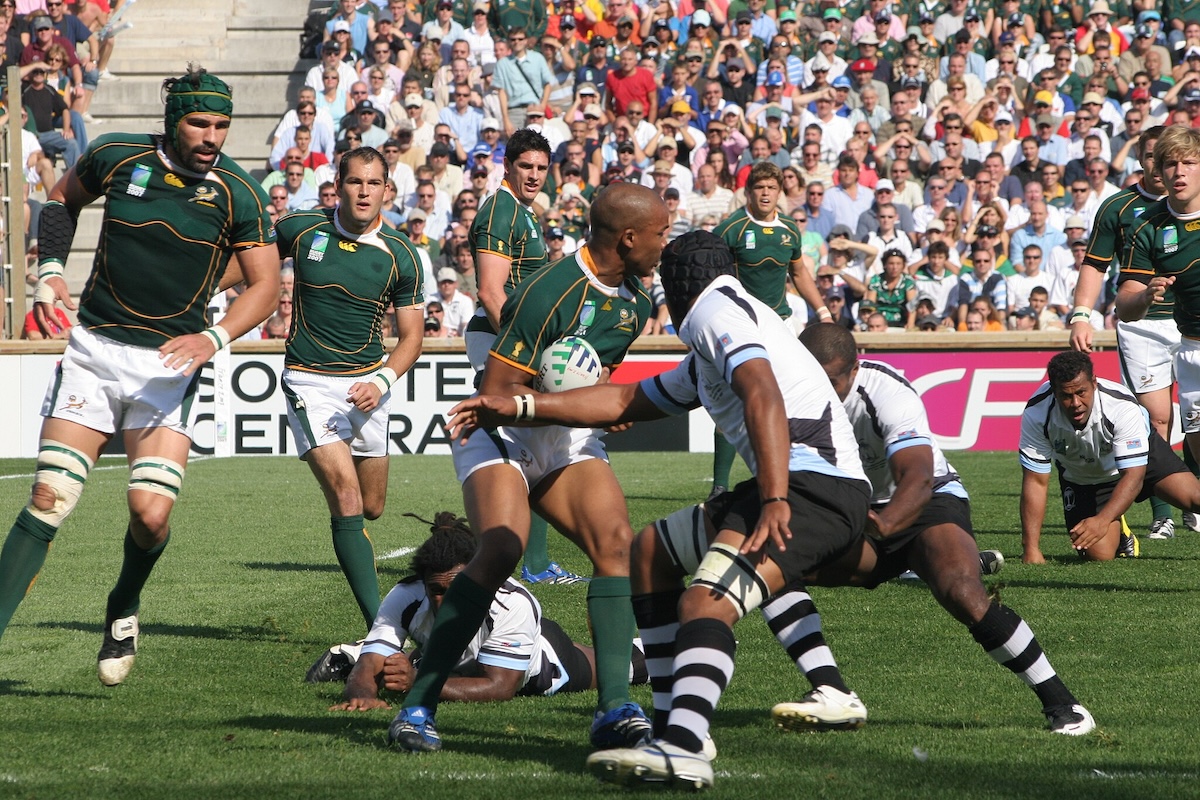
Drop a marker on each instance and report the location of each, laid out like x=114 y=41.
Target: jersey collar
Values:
x=369 y=233
x=583 y=257
x=505 y=187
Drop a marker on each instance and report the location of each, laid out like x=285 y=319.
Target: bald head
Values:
x=624 y=206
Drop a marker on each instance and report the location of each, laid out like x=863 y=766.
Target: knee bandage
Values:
x=63 y=470
x=729 y=574
x=157 y=475
x=685 y=536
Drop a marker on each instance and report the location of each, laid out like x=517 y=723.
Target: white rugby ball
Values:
x=569 y=363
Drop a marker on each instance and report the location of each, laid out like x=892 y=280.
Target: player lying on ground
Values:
x=517 y=652
x=920 y=519
x=805 y=506
x=1107 y=455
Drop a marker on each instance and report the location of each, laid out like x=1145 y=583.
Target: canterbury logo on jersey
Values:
x=170 y=179
x=349 y=247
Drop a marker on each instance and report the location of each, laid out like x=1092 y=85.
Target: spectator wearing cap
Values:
x=1051 y=146
x=868 y=51
x=443 y=27
x=667 y=153
x=862 y=76
x=458 y=307
x=901 y=224
x=596 y=65
x=630 y=83
x=527 y=15
x=773 y=98
x=832 y=64
x=835 y=131
x=975 y=64
x=1133 y=60
x=447 y=177
x=361 y=26
x=720 y=137
x=524 y=79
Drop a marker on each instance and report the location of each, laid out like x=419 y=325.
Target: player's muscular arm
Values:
x=410 y=326
x=56 y=232
x=766 y=423
x=496 y=684
x=1034 y=486
x=1134 y=299
x=802 y=280
x=362 y=687
x=912 y=468
x=491 y=272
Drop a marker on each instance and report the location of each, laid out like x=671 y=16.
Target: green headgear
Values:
x=197 y=92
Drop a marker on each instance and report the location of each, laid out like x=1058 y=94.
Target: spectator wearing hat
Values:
x=862 y=75
x=868 y=50
x=835 y=131
x=1133 y=60
x=827 y=57
x=596 y=65
x=901 y=224
x=779 y=49
x=1099 y=20
x=975 y=64
x=667 y=153
x=527 y=15
x=458 y=307
x=447 y=177
x=629 y=83
x=360 y=26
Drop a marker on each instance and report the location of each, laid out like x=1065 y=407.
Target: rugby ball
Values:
x=569 y=363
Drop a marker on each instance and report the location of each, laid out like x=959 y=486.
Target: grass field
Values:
x=249 y=594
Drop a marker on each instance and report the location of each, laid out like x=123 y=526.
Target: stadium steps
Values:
x=253 y=46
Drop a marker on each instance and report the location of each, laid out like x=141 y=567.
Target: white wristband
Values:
x=44 y=292
x=50 y=269
x=824 y=313
x=524 y=408
x=1081 y=313
x=219 y=336
x=383 y=380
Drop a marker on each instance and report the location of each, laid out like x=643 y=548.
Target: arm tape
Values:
x=56 y=231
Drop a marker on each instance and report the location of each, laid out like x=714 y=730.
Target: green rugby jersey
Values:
x=565 y=299
x=1110 y=240
x=167 y=236
x=343 y=284
x=1164 y=244
x=762 y=255
x=506 y=227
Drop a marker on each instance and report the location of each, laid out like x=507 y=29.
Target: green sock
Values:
x=126 y=595
x=723 y=454
x=356 y=557
x=613 y=628
x=1160 y=509
x=537 y=549
x=20 y=561
x=464 y=608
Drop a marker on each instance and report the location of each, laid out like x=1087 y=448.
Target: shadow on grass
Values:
x=291 y=566
x=17 y=689
x=268 y=631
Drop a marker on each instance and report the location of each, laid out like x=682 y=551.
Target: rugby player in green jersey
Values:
x=349 y=268
x=506 y=240
x=767 y=255
x=1147 y=345
x=1162 y=258
x=561 y=472
x=176 y=213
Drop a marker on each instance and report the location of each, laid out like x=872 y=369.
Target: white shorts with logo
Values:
x=319 y=413
x=1147 y=350
x=1187 y=376
x=534 y=452
x=108 y=386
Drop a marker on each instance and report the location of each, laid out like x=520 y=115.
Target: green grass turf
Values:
x=249 y=594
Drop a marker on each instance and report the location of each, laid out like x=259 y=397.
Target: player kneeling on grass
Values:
x=805 y=507
x=920 y=519
x=1107 y=455
x=517 y=652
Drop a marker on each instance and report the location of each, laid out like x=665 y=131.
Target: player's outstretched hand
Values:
x=187 y=353
x=364 y=396
x=50 y=291
x=360 y=704
x=1088 y=533
x=485 y=411
x=773 y=524
x=398 y=673
x=1157 y=288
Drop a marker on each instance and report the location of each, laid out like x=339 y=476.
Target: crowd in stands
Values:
x=944 y=161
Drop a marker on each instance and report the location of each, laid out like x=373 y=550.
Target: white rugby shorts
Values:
x=318 y=412
x=1147 y=349
x=108 y=386
x=534 y=452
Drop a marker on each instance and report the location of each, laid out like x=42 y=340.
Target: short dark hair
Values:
x=833 y=346
x=363 y=154
x=1067 y=366
x=524 y=141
